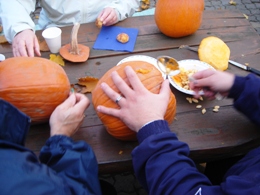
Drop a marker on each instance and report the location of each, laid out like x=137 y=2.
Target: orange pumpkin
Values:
x=152 y=79
x=34 y=85
x=178 y=18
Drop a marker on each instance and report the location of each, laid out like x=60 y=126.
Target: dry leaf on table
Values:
x=57 y=58
x=232 y=2
x=88 y=82
x=145 y=4
x=246 y=16
x=43 y=46
x=3 y=39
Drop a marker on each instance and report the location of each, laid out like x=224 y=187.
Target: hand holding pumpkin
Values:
x=68 y=116
x=138 y=105
x=214 y=81
x=26 y=44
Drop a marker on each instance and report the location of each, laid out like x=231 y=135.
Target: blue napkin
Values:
x=106 y=39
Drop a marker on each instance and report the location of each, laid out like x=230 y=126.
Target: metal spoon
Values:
x=168 y=65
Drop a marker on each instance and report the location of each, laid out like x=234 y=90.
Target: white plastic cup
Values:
x=2 y=57
x=52 y=37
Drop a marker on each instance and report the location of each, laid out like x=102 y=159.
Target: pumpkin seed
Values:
x=195 y=100
x=203 y=111
x=215 y=110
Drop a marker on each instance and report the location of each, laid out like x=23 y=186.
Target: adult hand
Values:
x=212 y=82
x=68 y=116
x=108 y=16
x=25 y=43
x=138 y=105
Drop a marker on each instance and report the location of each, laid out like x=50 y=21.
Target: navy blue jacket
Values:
x=162 y=165
x=65 y=166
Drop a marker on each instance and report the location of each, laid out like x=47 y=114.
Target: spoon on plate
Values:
x=168 y=65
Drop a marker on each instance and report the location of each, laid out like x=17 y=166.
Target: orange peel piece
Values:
x=122 y=37
x=143 y=71
x=98 y=23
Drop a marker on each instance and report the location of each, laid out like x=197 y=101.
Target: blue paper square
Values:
x=106 y=39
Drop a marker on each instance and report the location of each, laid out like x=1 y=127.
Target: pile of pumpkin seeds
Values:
x=199 y=106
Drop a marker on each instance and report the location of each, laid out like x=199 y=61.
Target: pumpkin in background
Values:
x=36 y=86
x=178 y=18
x=152 y=79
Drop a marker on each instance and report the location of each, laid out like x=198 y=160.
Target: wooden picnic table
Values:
x=211 y=136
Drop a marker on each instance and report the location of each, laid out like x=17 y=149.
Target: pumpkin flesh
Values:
x=215 y=52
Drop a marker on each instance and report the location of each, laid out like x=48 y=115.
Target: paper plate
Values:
x=144 y=58
x=139 y=58
x=190 y=65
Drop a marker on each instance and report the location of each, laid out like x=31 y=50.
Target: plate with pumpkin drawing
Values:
x=187 y=69
x=144 y=58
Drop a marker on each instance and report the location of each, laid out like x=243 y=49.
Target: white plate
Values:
x=144 y=58
x=139 y=58
x=190 y=65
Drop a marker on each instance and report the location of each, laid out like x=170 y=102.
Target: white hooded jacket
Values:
x=15 y=14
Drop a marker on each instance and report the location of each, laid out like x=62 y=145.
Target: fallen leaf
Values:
x=232 y=2
x=58 y=59
x=43 y=46
x=88 y=82
x=246 y=16
x=3 y=39
x=144 y=4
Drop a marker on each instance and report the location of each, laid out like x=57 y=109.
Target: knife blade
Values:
x=244 y=67
x=247 y=68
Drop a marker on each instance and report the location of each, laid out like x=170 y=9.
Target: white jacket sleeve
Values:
x=125 y=8
x=15 y=16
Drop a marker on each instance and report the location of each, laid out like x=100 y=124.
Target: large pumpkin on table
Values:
x=178 y=18
x=36 y=86
x=152 y=79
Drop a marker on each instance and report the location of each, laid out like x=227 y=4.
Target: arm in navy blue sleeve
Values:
x=162 y=166
x=75 y=162
x=246 y=94
x=14 y=124
x=71 y=166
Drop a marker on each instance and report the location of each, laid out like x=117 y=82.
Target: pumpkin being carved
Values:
x=152 y=79
x=178 y=18
x=36 y=86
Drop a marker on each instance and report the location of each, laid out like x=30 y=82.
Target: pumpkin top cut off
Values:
x=215 y=52
x=75 y=52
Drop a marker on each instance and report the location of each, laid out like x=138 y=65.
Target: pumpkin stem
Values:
x=74 y=40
